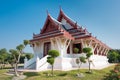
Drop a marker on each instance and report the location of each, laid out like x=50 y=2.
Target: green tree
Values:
x=113 y=56
x=79 y=60
x=3 y=57
x=10 y=60
x=52 y=54
x=29 y=55
x=16 y=54
x=22 y=57
x=88 y=52
x=82 y=60
x=76 y=50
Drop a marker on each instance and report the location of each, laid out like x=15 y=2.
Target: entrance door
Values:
x=47 y=47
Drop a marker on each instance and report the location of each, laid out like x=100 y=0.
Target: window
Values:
x=79 y=46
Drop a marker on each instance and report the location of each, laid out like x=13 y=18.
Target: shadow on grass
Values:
x=30 y=74
x=62 y=74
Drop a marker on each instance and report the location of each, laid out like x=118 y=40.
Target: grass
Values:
x=61 y=75
x=4 y=76
x=68 y=75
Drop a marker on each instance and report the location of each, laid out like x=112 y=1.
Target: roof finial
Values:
x=76 y=24
x=47 y=12
x=33 y=34
x=60 y=8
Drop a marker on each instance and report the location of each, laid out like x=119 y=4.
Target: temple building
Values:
x=64 y=35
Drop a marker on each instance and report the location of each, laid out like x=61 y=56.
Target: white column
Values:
x=99 y=50
x=35 y=49
x=107 y=50
x=37 y=62
x=52 y=44
x=69 y=41
x=83 y=45
x=71 y=46
x=62 y=45
x=95 y=46
x=103 y=50
x=90 y=43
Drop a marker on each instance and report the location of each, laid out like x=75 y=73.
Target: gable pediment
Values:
x=49 y=26
x=65 y=19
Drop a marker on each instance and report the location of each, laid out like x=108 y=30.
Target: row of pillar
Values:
x=98 y=48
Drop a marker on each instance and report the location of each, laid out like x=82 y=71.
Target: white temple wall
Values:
x=38 y=49
x=67 y=61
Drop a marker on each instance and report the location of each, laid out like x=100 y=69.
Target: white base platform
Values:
x=65 y=64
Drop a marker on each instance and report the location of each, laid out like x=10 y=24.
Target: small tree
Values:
x=79 y=60
x=16 y=53
x=82 y=60
x=88 y=52
x=76 y=50
x=51 y=58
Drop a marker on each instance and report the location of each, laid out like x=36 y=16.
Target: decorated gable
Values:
x=49 y=25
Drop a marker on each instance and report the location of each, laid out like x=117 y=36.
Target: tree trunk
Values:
x=89 y=65
x=0 y=66
x=19 y=57
x=15 y=68
x=52 y=70
x=80 y=66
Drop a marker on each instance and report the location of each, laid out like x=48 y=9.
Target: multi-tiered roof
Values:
x=63 y=26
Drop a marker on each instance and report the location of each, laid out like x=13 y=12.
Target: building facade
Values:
x=64 y=35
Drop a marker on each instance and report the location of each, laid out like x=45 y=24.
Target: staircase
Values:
x=36 y=64
x=30 y=64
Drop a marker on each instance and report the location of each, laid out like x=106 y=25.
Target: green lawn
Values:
x=61 y=75
x=69 y=75
x=4 y=76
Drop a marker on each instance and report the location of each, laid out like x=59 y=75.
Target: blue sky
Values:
x=19 y=19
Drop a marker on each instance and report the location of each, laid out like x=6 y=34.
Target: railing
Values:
x=36 y=63
x=41 y=62
x=27 y=63
x=73 y=55
x=32 y=64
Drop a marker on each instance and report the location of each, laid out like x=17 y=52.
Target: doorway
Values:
x=47 y=47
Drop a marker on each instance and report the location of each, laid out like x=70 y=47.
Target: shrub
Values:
x=114 y=74
x=75 y=50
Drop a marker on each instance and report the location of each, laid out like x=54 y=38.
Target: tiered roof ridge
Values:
x=76 y=32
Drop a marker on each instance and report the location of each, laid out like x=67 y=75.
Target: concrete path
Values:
x=21 y=77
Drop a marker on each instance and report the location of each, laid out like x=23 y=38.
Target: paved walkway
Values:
x=21 y=77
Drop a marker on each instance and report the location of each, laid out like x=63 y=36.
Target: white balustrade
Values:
x=41 y=62
x=29 y=62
